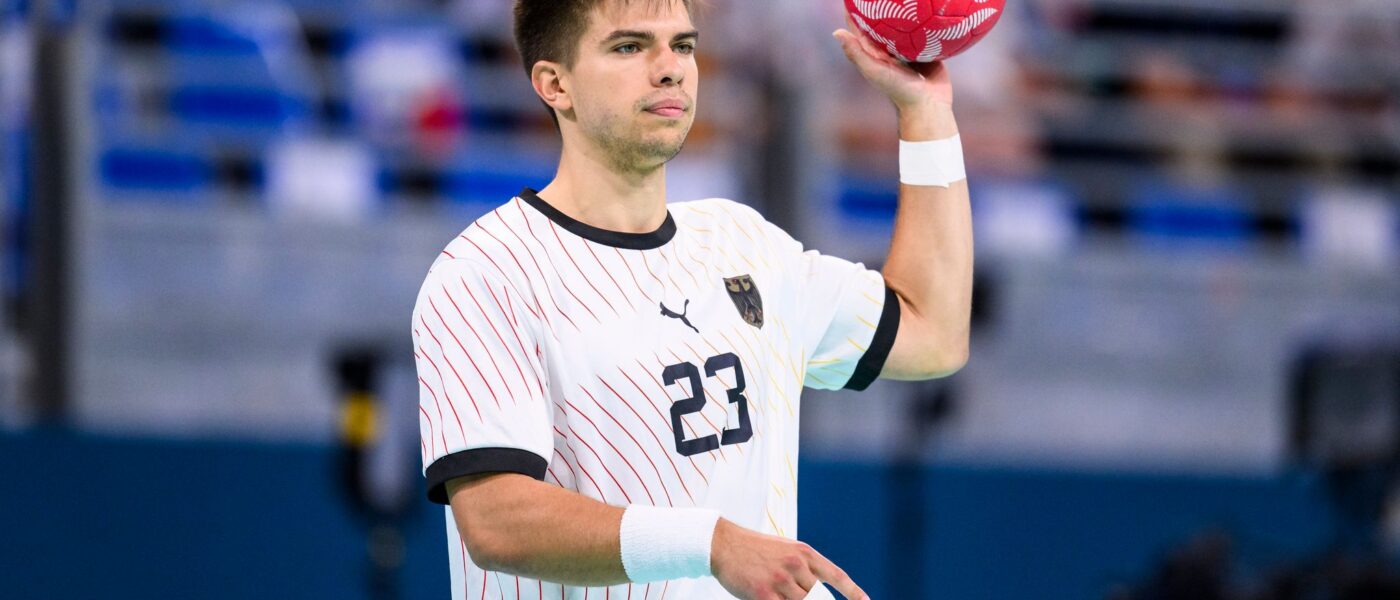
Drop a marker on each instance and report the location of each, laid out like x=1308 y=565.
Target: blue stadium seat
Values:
x=492 y=187
x=866 y=198
x=155 y=170
x=235 y=106
x=204 y=35
x=1165 y=210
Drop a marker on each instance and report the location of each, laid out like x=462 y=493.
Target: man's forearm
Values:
x=514 y=524
x=931 y=256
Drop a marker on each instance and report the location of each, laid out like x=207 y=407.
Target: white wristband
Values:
x=666 y=543
x=937 y=163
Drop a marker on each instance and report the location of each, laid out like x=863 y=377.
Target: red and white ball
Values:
x=925 y=30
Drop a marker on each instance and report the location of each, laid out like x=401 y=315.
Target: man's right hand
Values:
x=756 y=566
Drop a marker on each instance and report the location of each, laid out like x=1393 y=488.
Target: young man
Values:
x=610 y=385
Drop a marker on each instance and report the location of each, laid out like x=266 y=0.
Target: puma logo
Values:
x=669 y=313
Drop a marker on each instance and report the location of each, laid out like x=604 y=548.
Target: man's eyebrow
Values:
x=627 y=33
x=648 y=36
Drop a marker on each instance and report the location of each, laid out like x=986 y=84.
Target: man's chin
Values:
x=648 y=149
x=666 y=145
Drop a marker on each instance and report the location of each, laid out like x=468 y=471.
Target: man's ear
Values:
x=548 y=78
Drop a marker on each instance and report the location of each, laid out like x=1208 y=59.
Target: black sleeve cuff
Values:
x=481 y=460
x=870 y=365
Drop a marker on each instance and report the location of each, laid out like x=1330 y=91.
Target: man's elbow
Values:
x=489 y=549
x=946 y=358
x=476 y=509
x=951 y=360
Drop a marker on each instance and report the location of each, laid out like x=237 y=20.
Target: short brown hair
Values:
x=551 y=29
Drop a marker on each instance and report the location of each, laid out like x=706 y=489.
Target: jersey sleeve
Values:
x=848 y=316
x=482 y=399
x=851 y=318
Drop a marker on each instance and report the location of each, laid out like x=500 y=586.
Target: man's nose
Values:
x=668 y=69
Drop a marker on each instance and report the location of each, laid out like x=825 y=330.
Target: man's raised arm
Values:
x=929 y=266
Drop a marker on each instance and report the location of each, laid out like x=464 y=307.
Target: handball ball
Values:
x=925 y=30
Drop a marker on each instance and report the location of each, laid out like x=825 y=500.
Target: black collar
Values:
x=616 y=239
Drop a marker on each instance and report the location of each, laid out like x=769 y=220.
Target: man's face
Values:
x=635 y=82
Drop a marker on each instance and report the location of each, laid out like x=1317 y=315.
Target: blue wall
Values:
x=92 y=517
x=998 y=534
x=88 y=517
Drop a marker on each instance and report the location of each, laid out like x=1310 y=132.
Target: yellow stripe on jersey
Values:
x=774 y=522
x=782 y=326
x=791 y=471
x=734 y=244
x=762 y=258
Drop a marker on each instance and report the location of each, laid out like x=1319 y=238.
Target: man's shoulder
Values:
x=724 y=214
x=489 y=249
x=716 y=209
x=506 y=225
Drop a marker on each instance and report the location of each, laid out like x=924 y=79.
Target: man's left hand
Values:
x=911 y=86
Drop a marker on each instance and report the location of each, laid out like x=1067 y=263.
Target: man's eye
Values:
x=628 y=48
x=685 y=48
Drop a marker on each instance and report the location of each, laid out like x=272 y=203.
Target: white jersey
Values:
x=660 y=368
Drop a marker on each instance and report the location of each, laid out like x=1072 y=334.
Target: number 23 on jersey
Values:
x=696 y=402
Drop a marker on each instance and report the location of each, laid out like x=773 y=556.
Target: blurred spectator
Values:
x=404 y=86
x=1347 y=43
x=1340 y=61
x=1176 y=98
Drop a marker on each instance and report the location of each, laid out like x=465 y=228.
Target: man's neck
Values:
x=592 y=191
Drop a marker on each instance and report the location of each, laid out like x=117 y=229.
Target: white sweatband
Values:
x=659 y=544
x=937 y=163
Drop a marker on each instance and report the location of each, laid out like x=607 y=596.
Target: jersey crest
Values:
x=744 y=292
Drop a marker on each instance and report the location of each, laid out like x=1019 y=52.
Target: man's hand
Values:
x=910 y=86
x=755 y=566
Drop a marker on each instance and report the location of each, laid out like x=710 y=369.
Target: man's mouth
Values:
x=670 y=109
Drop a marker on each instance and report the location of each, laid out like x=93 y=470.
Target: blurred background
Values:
x=1185 y=374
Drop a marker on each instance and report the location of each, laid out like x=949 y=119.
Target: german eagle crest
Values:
x=747 y=300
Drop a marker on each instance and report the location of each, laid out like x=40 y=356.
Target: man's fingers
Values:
x=867 y=45
x=827 y=571
x=851 y=47
x=791 y=591
x=805 y=579
x=856 y=52
x=870 y=47
x=863 y=40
